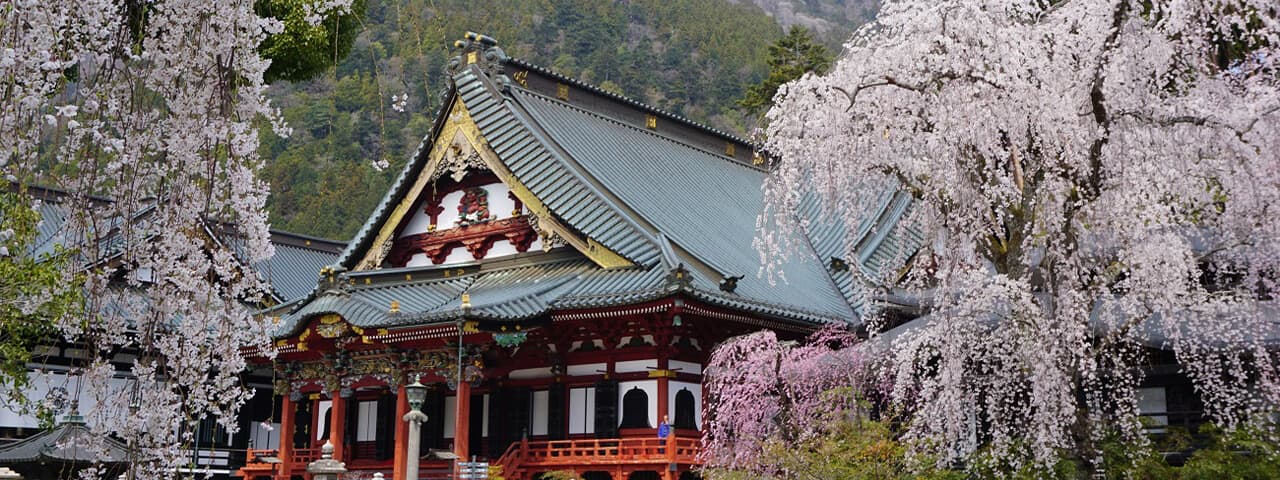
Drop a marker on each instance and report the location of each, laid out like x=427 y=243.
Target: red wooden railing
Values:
x=525 y=456
x=253 y=467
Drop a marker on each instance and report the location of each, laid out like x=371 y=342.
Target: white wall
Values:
x=41 y=384
x=538 y=404
x=586 y=369
x=500 y=206
x=636 y=366
x=501 y=248
x=484 y=421
x=367 y=421
x=459 y=254
x=582 y=410
x=418 y=260
x=650 y=388
x=322 y=409
x=530 y=373
x=450 y=414
x=684 y=367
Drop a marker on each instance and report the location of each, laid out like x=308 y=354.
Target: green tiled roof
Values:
x=705 y=204
x=292 y=272
x=653 y=196
x=531 y=155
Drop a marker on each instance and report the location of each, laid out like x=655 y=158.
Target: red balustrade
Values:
x=587 y=454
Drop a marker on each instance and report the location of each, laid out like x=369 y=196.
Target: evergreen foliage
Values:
x=35 y=294
x=304 y=50
x=790 y=58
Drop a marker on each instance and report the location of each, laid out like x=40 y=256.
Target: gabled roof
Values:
x=69 y=443
x=655 y=189
x=292 y=272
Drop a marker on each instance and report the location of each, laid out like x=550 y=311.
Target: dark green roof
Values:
x=292 y=272
x=71 y=442
x=531 y=287
x=661 y=197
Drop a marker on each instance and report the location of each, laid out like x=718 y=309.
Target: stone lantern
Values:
x=326 y=468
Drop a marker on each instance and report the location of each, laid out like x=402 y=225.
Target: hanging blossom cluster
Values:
x=1095 y=178
x=144 y=114
x=765 y=390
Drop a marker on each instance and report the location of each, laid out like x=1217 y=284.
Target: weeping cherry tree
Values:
x=146 y=115
x=1090 y=175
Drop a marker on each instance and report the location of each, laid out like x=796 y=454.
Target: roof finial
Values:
x=482 y=51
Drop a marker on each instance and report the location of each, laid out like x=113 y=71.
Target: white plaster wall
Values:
x=322 y=409
x=450 y=213
x=367 y=421
x=500 y=206
x=585 y=369
x=539 y=403
x=650 y=388
x=501 y=248
x=457 y=255
x=420 y=221
x=500 y=203
x=636 y=366
x=582 y=410
x=530 y=373
x=450 y=412
x=684 y=367
x=41 y=384
x=418 y=260
x=696 y=389
x=484 y=421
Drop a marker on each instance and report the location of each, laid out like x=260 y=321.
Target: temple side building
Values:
x=556 y=262
x=56 y=363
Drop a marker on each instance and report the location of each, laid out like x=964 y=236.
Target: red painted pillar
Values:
x=462 y=423
x=287 y=410
x=402 y=436
x=338 y=426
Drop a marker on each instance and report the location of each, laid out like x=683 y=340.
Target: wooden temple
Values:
x=556 y=263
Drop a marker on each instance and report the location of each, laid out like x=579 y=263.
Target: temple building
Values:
x=26 y=447
x=556 y=263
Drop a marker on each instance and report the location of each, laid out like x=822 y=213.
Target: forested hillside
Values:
x=693 y=57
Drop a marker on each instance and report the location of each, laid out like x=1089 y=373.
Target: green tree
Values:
x=790 y=58
x=33 y=295
x=305 y=49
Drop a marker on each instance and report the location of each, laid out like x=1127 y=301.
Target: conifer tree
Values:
x=790 y=58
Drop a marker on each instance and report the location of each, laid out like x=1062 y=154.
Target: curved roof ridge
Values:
x=632 y=102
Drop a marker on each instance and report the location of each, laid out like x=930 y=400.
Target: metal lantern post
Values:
x=416 y=393
x=462 y=324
